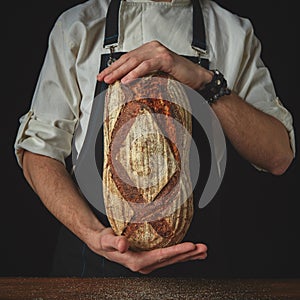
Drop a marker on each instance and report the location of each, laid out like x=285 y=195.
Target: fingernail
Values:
x=107 y=79
x=125 y=80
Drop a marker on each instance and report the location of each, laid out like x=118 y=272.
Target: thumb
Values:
x=111 y=242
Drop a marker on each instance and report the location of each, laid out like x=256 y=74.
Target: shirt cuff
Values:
x=49 y=138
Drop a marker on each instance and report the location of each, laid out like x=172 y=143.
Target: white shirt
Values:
x=64 y=92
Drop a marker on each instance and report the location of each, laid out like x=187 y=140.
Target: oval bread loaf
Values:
x=146 y=180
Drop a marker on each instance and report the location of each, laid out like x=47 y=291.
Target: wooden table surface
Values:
x=148 y=288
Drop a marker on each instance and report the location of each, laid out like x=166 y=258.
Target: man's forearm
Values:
x=55 y=187
x=258 y=137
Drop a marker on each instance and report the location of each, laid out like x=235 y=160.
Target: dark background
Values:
x=260 y=213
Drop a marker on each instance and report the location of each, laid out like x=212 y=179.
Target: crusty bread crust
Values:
x=146 y=179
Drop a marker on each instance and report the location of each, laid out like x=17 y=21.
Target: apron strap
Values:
x=112 y=26
x=199 y=39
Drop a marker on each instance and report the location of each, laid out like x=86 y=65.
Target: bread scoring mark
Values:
x=127 y=116
x=162 y=227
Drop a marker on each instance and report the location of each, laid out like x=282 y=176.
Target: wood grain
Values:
x=148 y=288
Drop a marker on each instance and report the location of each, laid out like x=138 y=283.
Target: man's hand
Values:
x=152 y=57
x=116 y=248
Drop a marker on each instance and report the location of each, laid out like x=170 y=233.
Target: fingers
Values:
x=164 y=254
x=200 y=252
x=143 y=260
x=118 y=69
x=141 y=70
x=122 y=66
x=148 y=261
x=130 y=70
x=146 y=59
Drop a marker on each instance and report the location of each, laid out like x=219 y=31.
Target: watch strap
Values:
x=216 y=88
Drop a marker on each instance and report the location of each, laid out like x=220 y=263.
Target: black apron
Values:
x=73 y=258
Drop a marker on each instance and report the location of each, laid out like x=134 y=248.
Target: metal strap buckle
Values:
x=111 y=58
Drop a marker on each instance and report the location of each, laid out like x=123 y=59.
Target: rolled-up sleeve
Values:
x=48 y=127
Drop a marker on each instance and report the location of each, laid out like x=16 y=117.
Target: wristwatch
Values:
x=216 y=88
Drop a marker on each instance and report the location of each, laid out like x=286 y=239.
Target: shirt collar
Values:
x=173 y=1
